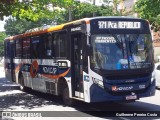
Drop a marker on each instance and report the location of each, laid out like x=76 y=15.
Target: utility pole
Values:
x=94 y=3
x=70 y=14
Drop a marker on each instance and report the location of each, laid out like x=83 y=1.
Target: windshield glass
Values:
x=121 y=51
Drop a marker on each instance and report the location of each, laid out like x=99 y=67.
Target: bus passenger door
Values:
x=12 y=48
x=9 y=63
x=76 y=65
x=35 y=63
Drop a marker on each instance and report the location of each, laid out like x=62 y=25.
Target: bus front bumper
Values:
x=99 y=94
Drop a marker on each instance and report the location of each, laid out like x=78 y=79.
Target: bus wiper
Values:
x=136 y=39
x=130 y=50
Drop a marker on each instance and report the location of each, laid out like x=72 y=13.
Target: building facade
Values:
x=126 y=6
x=156 y=44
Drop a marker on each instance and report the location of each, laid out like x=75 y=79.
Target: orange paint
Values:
x=34 y=68
x=56 y=76
x=17 y=69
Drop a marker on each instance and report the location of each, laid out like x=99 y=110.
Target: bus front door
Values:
x=76 y=66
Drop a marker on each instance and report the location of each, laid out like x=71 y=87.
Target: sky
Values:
x=2 y=26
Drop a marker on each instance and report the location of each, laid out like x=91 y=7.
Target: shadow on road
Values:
x=33 y=99
x=28 y=101
x=111 y=108
x=6 y=85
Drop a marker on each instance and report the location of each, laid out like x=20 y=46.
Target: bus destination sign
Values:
x=119 y=25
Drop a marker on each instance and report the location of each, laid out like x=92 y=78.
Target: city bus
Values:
x=92 y=60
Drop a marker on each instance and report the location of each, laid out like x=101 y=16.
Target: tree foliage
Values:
x=149 y=9
x=35 y=13
x=2 y=37
x=36 y=9
x=83 y=10
x=15 y=26
x=6 y=7
x=79 y=10
x=32 y=9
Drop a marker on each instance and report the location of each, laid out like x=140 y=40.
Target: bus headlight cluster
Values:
x=153 y=76
x=99 y=82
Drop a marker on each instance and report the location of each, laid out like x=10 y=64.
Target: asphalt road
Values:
x=15 y=100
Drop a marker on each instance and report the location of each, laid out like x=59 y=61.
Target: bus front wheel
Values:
x=21 y=82
x=66 y=99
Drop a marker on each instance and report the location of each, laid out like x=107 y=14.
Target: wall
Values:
x=156 y=44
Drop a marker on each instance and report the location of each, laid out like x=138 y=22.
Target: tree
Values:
x=79 y=10
x=6 y=8
x=15 y=26
x=32 y=9
x=2 y=37
x=149 y=9
x=82 y=10
x=37 y=9
x=114 y=4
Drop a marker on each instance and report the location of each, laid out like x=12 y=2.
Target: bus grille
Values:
x=120 y=77
x=50 y=86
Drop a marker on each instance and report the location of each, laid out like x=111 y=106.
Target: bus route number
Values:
x=119 y=25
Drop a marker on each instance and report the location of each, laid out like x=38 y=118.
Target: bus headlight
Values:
x=153 y=76
x=99 y=82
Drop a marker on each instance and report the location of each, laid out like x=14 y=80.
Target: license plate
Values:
x=131 y=97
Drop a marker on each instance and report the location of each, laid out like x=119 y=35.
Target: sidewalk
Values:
x=5 y=84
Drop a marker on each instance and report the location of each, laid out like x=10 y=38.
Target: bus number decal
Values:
x=119 y=24
x=50 y=70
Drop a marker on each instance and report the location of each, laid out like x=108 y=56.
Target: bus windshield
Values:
x=121 y=51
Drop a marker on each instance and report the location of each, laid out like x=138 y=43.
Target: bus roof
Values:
x=60 y=27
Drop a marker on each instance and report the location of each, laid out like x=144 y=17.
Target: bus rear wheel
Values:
x=66 y=99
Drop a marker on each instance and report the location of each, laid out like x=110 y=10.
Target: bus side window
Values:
x=35 y=47
x=18 y=48
x=26 y=48
x=60 y=44
x=48 y=47
x=56 y=38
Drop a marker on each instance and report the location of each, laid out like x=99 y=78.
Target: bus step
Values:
x=81 y=99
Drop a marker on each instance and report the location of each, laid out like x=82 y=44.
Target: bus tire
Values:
x=65 y=95
x=21 y=82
